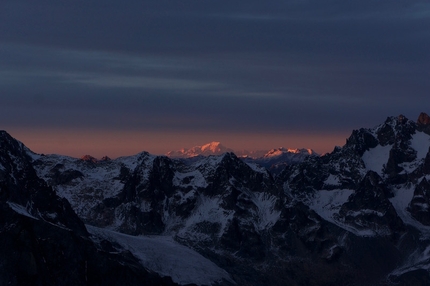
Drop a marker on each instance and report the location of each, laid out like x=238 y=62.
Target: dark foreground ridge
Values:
x=357 y=216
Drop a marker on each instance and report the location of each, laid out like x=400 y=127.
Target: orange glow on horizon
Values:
x=113 y=144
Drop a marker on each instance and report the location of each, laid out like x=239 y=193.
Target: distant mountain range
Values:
x=216 y=148
x=359 y=215
x=274 y=160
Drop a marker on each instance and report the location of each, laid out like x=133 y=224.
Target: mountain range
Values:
x=216 y=148
x=359 y=215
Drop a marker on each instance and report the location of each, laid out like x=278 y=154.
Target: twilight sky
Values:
x=119 y=77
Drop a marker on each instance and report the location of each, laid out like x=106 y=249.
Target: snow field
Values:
x=163 y=255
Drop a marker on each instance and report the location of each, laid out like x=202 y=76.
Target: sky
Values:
x=119 y=77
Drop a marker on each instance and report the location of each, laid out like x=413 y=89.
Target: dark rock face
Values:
x=419 y=206
x=21 y=185
x=362 y=140
x=401 y=151
x=426 y=165
x=419 y=277
x=369 y=208
x=38 y=253
x=64 y=177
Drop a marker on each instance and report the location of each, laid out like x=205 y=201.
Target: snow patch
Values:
x=375 y=158
x=209 y=210
x=145 y=206
x=402 y=198
x=327 y=205
x=365 y=211
x=332 y=180
x=421 y=143
x=194 y=178
x=267 y=215
x=256 y=167
x=21 y=210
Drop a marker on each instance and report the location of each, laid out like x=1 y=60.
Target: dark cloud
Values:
x=282 y=66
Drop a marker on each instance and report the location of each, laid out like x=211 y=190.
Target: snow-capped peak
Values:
x=213 y=148
x=89 y=158
x=281 y=150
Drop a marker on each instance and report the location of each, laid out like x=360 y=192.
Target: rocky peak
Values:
x=401 y=119
x=361 y=140
x=398 y=132
x=8 y=143
x=89 y=158
x=22 y=189
x=423 y=123
x=423 y=119
x=395 y=130
x=404 y=128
